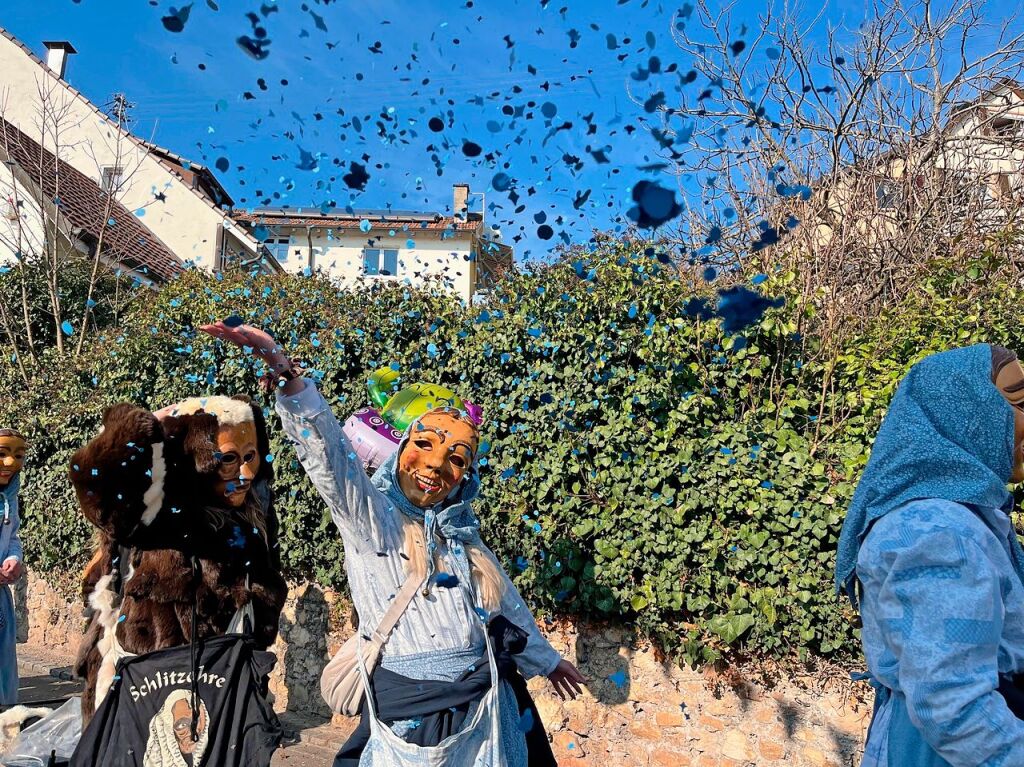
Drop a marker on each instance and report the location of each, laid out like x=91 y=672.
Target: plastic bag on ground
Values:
x=58 y=732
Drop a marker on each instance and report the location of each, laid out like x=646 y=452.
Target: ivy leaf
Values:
x=731 y=626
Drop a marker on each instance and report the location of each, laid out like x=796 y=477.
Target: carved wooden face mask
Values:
x=439 y=453
x=12 y=455
x=239 y=458
x=1008 y=376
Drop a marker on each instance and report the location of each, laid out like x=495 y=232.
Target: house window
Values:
x=113 y=178
x=278 y=247
x=380 y=262
x=888 y=195
x=1006 y=127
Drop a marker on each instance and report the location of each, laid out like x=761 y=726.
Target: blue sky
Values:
x=290 y=125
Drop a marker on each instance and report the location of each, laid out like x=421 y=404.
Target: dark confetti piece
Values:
x=175 y=20
x=740 y=307
x=654 y=205
x=447 y=580
x=357 y=177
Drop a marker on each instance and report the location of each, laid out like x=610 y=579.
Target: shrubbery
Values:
x=640 y=462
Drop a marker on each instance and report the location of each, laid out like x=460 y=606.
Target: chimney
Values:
x=57 y=52
x=460 y=201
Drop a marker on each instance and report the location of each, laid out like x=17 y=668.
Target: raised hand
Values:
x=567 y=680
x=261 y=342
x=263 y=346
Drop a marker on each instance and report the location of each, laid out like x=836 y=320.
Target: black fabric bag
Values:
x=198 y=705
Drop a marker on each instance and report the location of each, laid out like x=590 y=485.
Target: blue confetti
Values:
x=447 y=580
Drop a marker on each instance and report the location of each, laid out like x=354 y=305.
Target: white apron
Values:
x=478 y=744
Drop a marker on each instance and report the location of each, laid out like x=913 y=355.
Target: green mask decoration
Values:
x=406 y=405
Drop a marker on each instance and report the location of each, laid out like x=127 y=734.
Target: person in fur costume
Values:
x=183 y=506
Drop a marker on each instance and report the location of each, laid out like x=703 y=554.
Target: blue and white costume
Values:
x=10 y=548
x=929 y=539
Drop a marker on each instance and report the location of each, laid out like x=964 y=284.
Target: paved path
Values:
x=45 y=690
x=46 y=680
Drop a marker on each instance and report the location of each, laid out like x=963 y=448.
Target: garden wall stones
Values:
x=640 y=710
x=47 y=618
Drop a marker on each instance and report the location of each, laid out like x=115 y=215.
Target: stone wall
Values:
x=639 y=710
x=46 y=617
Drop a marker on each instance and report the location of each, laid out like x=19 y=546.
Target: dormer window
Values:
x=113 y=179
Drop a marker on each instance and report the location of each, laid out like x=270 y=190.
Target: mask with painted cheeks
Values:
x=239 y=458
x=437 y=456
x=13 y=448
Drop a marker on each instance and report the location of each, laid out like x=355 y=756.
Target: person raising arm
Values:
x=414 y=519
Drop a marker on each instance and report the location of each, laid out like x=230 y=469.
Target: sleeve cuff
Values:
x=554 y=663
x=304 y=404
x=14 y=557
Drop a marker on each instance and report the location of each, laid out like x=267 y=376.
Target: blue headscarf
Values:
x=452 y=519
x=948 y=434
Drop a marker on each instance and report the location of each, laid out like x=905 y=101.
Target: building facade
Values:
x=176 y=203
x=360 y=248
x=153 y=212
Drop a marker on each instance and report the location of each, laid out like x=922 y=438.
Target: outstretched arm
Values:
x=332 y=466
x=539 y=658
x=356 y=506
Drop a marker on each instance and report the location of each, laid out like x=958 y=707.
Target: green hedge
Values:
x=641 y=464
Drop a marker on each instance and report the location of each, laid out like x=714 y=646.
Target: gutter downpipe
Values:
x=309 y=247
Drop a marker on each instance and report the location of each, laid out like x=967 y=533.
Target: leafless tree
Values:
x=52 y=215
x=852 y=164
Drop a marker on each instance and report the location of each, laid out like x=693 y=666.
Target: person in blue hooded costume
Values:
x=12 y=458
x=930 y=556
x=434 y=699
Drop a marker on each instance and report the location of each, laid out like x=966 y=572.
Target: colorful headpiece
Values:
x=375 y=432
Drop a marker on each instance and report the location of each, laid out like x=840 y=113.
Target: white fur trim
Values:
x=229 y=412
x=154 y=496
x=13 y=718
x=102 y=601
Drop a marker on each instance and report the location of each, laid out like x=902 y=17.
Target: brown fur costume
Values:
x=147 y=486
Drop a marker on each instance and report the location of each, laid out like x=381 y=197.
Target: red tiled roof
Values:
x=82 y=204
x=328 y=221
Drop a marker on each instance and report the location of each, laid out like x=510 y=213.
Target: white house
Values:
x=452 y=251
x=177 y=206
x=43 y=198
